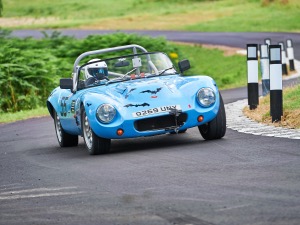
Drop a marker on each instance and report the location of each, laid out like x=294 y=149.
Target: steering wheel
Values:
x=90 y=80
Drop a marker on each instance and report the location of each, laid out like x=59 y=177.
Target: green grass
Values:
x=22 y=115
x=291 y=109
x=228 y=71
x=251 y=16
x=222 y=15
x=291 y=99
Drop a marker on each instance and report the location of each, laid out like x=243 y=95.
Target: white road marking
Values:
x=38 y=193
x=36 y=190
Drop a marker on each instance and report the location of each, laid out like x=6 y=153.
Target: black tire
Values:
x=94 y=144
x=64 y=139
x=216 y=128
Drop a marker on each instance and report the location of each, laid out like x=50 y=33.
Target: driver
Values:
x=97 y=70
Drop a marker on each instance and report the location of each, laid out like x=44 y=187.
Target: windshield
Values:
x=124 y=68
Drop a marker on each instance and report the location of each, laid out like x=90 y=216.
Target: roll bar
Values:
x=76 y=66
x=100 y=51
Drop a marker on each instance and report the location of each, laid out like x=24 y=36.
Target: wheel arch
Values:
x=50 y=109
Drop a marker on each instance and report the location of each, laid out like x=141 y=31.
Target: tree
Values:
x=1 y=8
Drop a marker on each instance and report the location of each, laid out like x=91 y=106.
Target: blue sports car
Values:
x=136 y=94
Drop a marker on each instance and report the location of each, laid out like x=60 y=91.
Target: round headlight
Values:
x=206 y=97
x=106 y=113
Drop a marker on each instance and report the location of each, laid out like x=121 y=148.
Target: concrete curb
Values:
x=236 y=120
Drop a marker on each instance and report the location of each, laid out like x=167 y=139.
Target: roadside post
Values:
x=283 y=57
x=252 y=72
x=265 y=69
x=290 y=51
x=268 y=41
x=276 y=109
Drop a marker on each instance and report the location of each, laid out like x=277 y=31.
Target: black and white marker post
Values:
x=265 y=69
x=268 y=41
x=252 y=71
x=290 y=51
x=283 y=59
x=275 y=83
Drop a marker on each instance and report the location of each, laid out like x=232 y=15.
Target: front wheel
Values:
x=95 y=145
x=64 y=139
x=216 y=128
x=179 y=132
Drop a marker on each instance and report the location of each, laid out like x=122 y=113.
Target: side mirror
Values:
x=184 y=65
x=66 y=83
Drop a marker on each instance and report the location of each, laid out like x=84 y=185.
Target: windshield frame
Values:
x=126 y=77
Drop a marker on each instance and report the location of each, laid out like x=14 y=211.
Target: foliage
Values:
x=4 y=33
x=1 y=8
x=26 y=77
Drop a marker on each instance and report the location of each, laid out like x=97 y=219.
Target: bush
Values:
x=26 y=77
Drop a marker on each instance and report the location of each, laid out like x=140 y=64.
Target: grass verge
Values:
x=291 y=109
x=22 y=115
x=200 y=15
x=223 y=64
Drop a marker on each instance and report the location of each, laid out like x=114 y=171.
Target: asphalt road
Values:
x=216 y=38
x=167 y=179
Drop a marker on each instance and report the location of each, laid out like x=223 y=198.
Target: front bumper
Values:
x=154 y=125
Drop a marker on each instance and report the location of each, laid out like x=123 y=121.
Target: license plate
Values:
x=157 y=110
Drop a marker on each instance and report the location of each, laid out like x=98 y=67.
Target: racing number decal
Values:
x=63 y=104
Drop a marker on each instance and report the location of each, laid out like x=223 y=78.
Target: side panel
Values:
x=63 y=102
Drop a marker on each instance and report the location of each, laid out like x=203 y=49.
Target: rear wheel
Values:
x=216 y=128
x=95 y=145
x=64 y=139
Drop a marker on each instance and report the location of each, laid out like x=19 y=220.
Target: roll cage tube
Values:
x=150 y=63
x=75 y=73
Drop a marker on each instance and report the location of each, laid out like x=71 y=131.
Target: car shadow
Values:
x=177 y=142
x=160 y=142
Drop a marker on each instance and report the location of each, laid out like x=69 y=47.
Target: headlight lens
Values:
x=106 y=113
x=206 y=97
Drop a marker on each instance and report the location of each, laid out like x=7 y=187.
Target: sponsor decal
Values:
x=131 y=90
x=136 y=105
x=73 y=106
x=152 y=92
